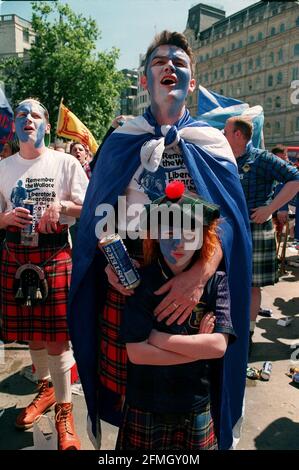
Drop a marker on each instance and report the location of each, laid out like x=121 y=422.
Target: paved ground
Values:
x=272 y=416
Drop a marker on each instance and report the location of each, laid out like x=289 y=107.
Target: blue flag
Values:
x=6 y=120
x=212 y=166
x=215 y=109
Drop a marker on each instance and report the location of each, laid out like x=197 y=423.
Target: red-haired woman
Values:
x=168 y=394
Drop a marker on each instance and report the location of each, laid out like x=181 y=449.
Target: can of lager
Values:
x=117 y=256
x=266 y=370
x=30 y=205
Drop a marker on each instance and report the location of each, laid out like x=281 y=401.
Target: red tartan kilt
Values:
x=46 y=321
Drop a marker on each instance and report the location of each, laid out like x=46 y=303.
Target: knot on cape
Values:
x=152 y=150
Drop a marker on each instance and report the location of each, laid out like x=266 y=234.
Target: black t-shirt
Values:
x=177 y=388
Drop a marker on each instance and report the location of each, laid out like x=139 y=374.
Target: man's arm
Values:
x=147 y=354
x=50 y=218
x=186 y=289
x=261 y=214
x=198 y=346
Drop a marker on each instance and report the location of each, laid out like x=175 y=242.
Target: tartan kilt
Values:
x=264 y=260
x=139 y=430
x=46 y=321
x=113 y=354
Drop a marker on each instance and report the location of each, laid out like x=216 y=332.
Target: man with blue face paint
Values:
x=41 y=193
x=164 y=144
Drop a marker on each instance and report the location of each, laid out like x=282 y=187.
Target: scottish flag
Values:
x=215 y=109
x=211 y=165
x=6 y=120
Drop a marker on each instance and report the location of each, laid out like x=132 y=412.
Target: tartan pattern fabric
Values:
x=264 y=261
x=46 y=321
x=113 y=354
x=141 y=430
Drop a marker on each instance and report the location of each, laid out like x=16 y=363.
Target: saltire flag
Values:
x=69 y=126
x=215 y=109
x=6 y=120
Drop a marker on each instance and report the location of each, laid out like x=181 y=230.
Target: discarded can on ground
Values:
x=295 y=378
x=266 y=370
x=285 y=321
x=252 y=373
x=117 y=255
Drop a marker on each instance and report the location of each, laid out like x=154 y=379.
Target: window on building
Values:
x=297 y=123
x=268 y=103
x=280 y=55
x=296 y=49
x=215 y=74
x=232 y=69
x=279 y=78
x=295 y=73
x=222 y=50
x=251 y=39
x=258 y=62
x=239 y=67
x=249 y=85
x=282 y=28
x=258 y=83
x=240 y=43
x=271 y=57
x=26 y=35
x=277 y=102
x=270 y=80
x=260 y=36
x=273 y=31
x=221 y=91
x=222 y=73
x=277 y=127
x=233 y=46
x=206 y=77
x=250 y=65
x=268 y=128
x=297 y=21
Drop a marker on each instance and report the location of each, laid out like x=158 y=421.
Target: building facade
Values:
x=16 y=36
x=253 y=55
x=142 y=95
x=128 y=96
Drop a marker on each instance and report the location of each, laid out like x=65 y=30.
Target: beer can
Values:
x=29 y=204
x=295 y=378
x=117 y=255
x=252 y=373
x=266 y=370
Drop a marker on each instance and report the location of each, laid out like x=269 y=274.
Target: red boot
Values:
x=67 y=437
x=41 y=403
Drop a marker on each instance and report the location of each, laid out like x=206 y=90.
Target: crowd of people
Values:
x=157 y=360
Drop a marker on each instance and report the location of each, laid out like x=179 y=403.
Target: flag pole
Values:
x=58 y=118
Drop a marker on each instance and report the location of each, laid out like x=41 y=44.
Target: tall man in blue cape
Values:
x=137 y=161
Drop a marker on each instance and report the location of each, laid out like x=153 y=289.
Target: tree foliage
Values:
x=63 y=62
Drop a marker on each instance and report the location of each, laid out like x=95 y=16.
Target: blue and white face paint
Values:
x=174 y=249
x=169 y=78
x=31 y=123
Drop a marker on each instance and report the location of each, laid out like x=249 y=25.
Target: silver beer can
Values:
x=118 y=257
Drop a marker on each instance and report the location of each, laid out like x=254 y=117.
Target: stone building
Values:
x=252 y=55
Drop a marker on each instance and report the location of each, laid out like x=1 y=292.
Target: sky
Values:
x=130 y=25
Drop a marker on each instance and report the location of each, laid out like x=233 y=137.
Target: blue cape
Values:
x=216 y=179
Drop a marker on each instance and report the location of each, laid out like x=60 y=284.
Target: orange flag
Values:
x=69 y=126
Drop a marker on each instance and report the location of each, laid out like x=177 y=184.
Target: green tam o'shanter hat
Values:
x=175 y=194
